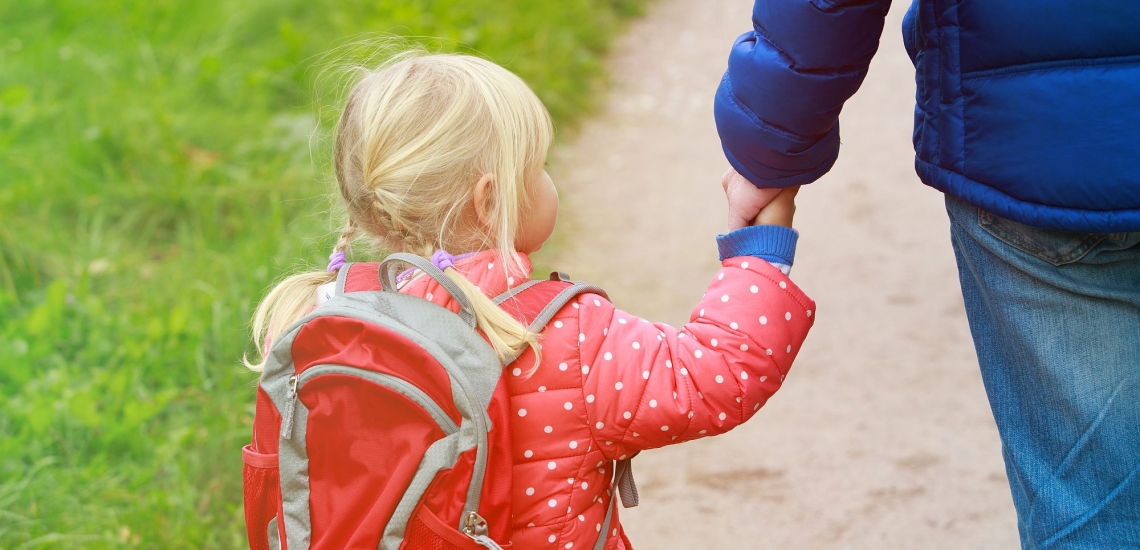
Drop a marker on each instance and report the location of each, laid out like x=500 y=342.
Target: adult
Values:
x=1027 y=117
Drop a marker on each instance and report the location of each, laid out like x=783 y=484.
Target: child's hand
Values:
x=744 y=199
x=780 y=210
x=751 y=205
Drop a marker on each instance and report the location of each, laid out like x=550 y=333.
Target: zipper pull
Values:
x=290 y=403
x=475 y=526
x=486 y=542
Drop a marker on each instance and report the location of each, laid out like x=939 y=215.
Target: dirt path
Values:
x=882 y=438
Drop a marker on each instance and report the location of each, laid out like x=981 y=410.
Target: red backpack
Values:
x=382 y=420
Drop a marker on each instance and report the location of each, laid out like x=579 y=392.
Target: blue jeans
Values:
x=1055 y=318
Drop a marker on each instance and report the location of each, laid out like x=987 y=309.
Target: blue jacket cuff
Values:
x=773 y=178
x=774 y=243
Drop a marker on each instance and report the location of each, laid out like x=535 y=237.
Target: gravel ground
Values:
x=882 y=437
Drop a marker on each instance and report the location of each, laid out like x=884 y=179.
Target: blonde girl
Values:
x=438 y=155
x=411 y=134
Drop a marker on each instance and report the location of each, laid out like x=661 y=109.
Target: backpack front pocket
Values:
x=353 y=443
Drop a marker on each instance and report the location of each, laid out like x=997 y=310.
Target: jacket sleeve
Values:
x=649 y=385
x=777 y=107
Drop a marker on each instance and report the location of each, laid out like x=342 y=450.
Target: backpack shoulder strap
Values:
x=626 y=489
x=361 y=277
x=535 y=302
x=387 y=273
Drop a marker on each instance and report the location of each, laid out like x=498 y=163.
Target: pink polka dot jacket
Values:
x=611 y=384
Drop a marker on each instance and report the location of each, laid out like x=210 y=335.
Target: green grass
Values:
x=156 y=176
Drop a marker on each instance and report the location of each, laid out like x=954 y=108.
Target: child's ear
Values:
x=482 y=197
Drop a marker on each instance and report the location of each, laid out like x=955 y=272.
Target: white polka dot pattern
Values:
x=611 y=384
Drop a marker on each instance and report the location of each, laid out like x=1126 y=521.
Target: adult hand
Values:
x=745 y=201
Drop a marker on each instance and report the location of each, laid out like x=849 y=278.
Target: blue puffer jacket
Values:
x=1027 y=108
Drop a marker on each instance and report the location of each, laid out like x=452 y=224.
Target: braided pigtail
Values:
x=506 y=334
x=293 y=298
x=345 y=240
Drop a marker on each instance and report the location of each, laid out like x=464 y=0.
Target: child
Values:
x=442 y=153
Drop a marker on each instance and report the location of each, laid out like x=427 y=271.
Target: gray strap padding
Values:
x=512 y=292
x=623 y=481
x=440 y=456
x=341 y=277
x=274 y=536
x=564 y=297
x=388 y=281
x=293 y=470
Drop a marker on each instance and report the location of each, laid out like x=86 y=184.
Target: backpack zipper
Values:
x=475 y=526
x=290 y=404
x=402 y=386
x=479 y=469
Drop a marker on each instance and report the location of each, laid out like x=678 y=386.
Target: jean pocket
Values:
x=1051 y=245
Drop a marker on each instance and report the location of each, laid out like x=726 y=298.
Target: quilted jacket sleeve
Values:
x=649 y=384
x=777 y=107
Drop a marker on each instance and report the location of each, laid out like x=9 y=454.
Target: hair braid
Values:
x=346 y=235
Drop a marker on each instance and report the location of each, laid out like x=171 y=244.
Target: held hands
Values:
x=750 y=205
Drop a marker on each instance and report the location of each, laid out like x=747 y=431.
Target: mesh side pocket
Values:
x=420 y=537
x=427 y=532
x=262 y=491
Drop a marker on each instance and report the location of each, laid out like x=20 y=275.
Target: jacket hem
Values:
x=1029 y=213
x=1051 y=65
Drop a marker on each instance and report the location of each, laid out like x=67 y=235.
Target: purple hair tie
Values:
x=442 y=260
x=336 y=261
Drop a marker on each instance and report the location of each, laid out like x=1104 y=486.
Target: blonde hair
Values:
x=414 y=138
